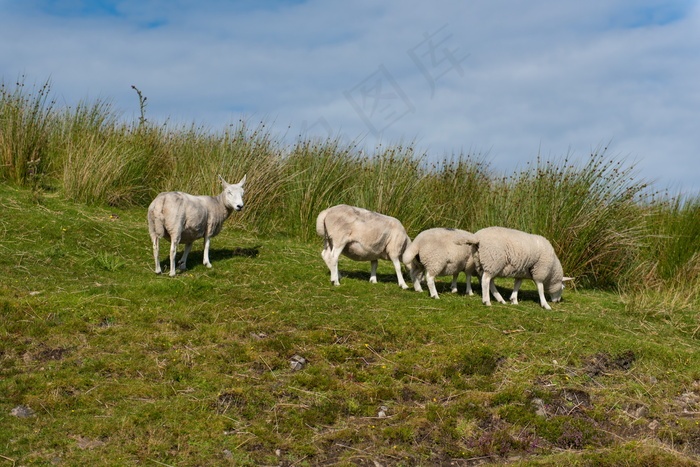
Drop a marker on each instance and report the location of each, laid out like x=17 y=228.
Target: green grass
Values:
x=121 y=366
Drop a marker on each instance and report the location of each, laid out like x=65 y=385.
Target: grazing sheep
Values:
x=439 y=252
x=181 y=217
x=502 y=252
x=361 y=235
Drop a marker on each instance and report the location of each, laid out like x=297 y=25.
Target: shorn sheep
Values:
x=439 y=252
x=184 y=218
x=503 y=252
x=361 y=235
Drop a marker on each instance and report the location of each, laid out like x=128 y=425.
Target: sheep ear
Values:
x=223 y=182
x=242 y=180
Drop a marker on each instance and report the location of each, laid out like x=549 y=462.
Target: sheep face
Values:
x=555 y=290
x=233 y=194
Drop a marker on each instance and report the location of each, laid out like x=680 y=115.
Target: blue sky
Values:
x=504 y=79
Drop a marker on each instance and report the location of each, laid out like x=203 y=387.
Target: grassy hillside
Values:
x=104 y=363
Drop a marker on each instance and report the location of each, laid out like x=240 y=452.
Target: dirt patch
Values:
x=603 y=363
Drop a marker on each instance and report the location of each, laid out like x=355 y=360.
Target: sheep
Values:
x=361 y=235
x=181 y=217
x=439 y=252
x=503 y=252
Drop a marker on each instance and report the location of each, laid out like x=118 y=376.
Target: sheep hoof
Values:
x=403 y=286
x=487 y=303
x=514 y=302
x=207 y=265
x=372 y=280
x=436 y=297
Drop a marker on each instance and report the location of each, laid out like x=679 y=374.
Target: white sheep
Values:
x=439 y=252
x=184 y=218
x=502 y=252
x=361 y=235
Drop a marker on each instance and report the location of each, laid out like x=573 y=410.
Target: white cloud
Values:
x=533 y=76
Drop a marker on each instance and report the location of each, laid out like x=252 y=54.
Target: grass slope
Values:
x=117 y=366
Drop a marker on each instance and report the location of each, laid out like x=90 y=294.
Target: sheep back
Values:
x=503 y=252
x=440 y=251
x=175 y=213
x=367 y=235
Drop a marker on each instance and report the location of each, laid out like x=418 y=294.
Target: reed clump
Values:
x=607 y=228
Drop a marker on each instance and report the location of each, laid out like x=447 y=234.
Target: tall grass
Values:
x=390 y=182
x=317 y=175
x=589 y=212
x=25 y=125
x=596 y=213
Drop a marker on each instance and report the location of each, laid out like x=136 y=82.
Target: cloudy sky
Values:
x=507 y=79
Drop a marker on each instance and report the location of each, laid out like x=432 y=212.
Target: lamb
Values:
x=503 y=252
x=181 y=217
x=361 y=235
x=439 y=252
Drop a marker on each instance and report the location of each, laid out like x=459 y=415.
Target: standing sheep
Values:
x=502 y=252
x=181 y=217
x=439 y=252
x=361 y=235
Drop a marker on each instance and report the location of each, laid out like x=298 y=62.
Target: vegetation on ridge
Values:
x=102 y=362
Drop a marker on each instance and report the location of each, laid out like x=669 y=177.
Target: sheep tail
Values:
x=409 y=254
x=321 y=225
x=468 y=239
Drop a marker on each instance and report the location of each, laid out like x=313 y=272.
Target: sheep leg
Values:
x=156 y=245
x=373 y=272
x=207 y=241
x=496 y=293
x=516 y=287
x=487 y=285
x=416 y=276
x=173 y=252
x=485 y=295
x=399 y=274
x=543 y=301
x=182 y=264
x=430 y=279
x=469 y=284
x=326 y=253
x=453 y=287
x=331 y=257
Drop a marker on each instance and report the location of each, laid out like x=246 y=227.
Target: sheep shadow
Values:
x=364 y=276
x=195 y=258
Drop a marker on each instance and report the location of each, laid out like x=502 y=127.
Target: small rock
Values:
x=22 y=411
x=641 y=412
x=382 y=411
x=539 y=407
x=297 y=362
x=654 y=425
x=278 y=452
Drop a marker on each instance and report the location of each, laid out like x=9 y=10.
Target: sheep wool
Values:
x=361 y=235
x=439 y=252
x=503 y=252
x=183 y=218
